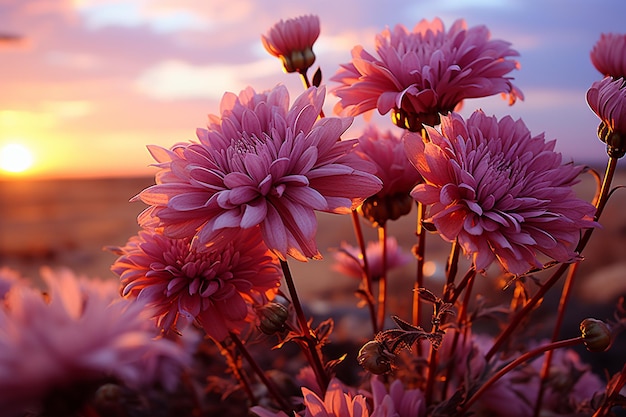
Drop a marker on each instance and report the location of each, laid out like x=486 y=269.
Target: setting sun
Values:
x=15 y=158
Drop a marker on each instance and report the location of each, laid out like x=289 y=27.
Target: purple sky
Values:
x=93 y=81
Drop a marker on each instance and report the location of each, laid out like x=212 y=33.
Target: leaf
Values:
x=427 y=295
x=317 y=77
x=323 y=331
x=405 y=325
x=330 y=365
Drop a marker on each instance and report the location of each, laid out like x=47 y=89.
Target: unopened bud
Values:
x=615 y=141
x=596 y=335
x=375 y=358
x=272 y=318
x=378 y=209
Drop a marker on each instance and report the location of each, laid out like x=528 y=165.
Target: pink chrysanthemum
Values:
x=216 y=288
x=609 y=55
x=425 y=72
x=57 y=347
x=502 y=193
x=607 y=99
x=349 y=260
x=386 y=151
x=397 y=402
x=336 y=403
x=8 y=278
x=292 y=41
x=260 y=164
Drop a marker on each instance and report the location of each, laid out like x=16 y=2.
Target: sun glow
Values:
x=15 y=158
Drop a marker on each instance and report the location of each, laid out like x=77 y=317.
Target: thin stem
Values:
x=305 y=79
x=545 y=369
x=367 y=278
x=517 y=319
x=515 y=363
x=382 y=281
x=307 y=334
x=307 y=85
x=469 y=275
x=432 y=374
x=615 y=389
x=451 y=268
x=269 y=384
x=419 y=255
x=420 y=250
x=461 y=324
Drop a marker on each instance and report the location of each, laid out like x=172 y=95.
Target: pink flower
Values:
x=261 y=164
x=216 y=288
x=503 y=194
x=292 y=41
x=336 y=403
x=609 y=55
x=425 y=72
x=397 y=402
x=349 y=260
x=78 y=336
x=607 y=99
x=8 y=278
x=386 y=151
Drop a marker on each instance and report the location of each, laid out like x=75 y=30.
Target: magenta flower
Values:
x=261 y=164
x=78 y=336
x=292 y=41
x=609 y=55
x=397 y=402
x=425 y=72
x=336 y=403
x=607 y=99
x=349 y=260
x=502 y=193
x=216 y=288
x=8 y=278
x=386 y=151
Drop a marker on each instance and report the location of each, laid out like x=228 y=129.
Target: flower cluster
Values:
x=67 y=342
x=206 y=317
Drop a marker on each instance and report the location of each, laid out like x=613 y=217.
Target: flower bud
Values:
x=378 y=209
x=374 y=358
x=272 y=318
x=596 y=335
x=615 y=141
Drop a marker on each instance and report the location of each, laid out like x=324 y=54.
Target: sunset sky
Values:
x=87 y=84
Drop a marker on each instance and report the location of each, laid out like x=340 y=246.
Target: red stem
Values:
x=307 y=334
x=518 y=361
x=382 y=281
x=367 y=278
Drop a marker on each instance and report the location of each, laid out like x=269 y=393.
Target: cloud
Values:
x=176 y=80
x=135 y=13
x=68 y=109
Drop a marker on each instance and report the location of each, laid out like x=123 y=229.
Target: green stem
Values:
x=530 y=305
x=307 y=334
x=515 y=363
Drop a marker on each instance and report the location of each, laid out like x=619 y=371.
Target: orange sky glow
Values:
x=87 y=84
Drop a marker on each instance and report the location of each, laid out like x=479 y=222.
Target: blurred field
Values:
x=69 y=222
